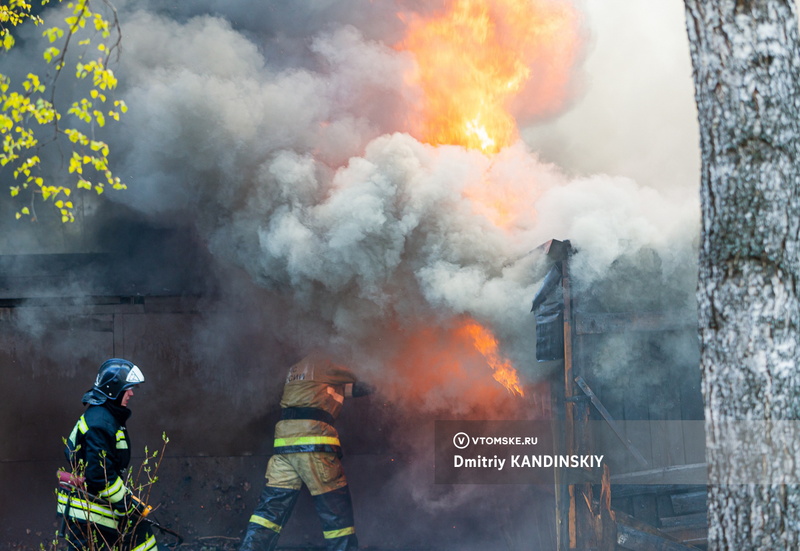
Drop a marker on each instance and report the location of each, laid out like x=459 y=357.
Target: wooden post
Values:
x=583 y=527
x=561 y=490
x=569 y=394
x=565 y=493
x=589 y=524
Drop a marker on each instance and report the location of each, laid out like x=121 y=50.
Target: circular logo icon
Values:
x=461 y=440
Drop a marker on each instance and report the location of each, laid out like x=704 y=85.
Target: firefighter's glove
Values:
x=138 y=508
x=362 y=389
x=71 y=481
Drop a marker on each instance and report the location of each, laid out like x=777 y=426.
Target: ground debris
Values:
x=210 y=543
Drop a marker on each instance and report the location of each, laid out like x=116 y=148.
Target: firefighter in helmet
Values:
x=98 y=510
x=307 y=451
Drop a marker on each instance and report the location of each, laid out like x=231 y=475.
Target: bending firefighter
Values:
x=307 y=450
x=98 y=510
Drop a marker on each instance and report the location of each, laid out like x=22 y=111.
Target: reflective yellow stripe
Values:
x=149 y=543
x=306 y=440
x=114 y=492
x=266 y=523
x=82 y=509
x=82 y=426
x=122 y=444
x=330 y=534
x=88 y=516
x=88 y=505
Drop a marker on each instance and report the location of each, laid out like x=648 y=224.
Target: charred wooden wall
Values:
x=628 y=387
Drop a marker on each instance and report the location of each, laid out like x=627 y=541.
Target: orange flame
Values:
x=486 y=344
x=439 y=366
x=475 y=58
x=436 y=367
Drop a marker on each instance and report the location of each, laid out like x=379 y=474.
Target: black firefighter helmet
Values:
x=114 y=377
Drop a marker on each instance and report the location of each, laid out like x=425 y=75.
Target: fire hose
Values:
x=70 y=481
x=165 y=530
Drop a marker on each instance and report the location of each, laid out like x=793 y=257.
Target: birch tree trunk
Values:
x=746 y=65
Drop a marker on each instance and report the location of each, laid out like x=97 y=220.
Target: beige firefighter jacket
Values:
x=312 y=399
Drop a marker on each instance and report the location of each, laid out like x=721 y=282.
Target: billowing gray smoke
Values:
x=276 y=131
x=291 y=166
x=277 y=134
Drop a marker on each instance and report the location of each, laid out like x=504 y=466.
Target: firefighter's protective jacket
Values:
x=99 y=449
x=312 y=400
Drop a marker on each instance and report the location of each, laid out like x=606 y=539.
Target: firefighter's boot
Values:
x=335 y=510
x=273 y=510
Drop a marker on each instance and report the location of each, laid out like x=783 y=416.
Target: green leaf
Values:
x=8 y=41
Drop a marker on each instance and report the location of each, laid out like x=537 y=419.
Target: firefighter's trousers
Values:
x=323 y=474
x=82 y=536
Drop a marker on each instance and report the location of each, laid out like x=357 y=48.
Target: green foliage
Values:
x=27 y=108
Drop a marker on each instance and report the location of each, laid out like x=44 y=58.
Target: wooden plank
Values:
x=610 y=394
x=589 y=324
x=637 y=432
x=692 y=412
x=637 y=524
x=694 y=443
x=665 y=413
x=630 y=489
x=636 y=540
x=692 y=502
x=622 y=504
x=682 y=475
x=644 y=509
x=561 y=489
x=588 y=519
x=664 y=506
x=697 y=539
x=569 y=407
x=693 y=520
x=606 y=529
x=661 y=449
x=690 y=536
x=610 y=420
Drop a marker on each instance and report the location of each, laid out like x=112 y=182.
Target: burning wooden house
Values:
x=626 y=380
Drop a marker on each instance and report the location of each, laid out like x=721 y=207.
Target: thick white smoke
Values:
x=278 y=134
x=302 y=176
